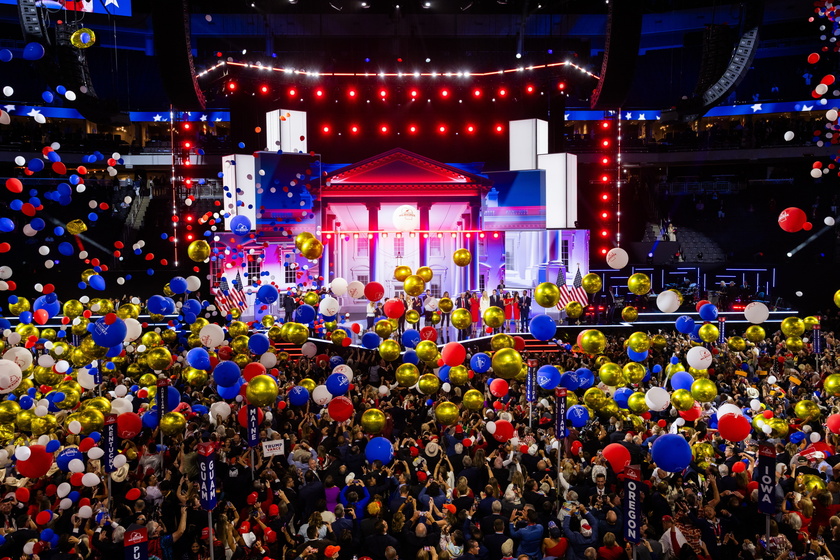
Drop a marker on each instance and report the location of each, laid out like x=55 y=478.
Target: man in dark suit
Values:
x=494 y=540
x=496 y=300
x=524 y=311
x=489 y=524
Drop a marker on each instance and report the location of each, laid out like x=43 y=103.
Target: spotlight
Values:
x=352 y=93
x=502 y=92
x=354 y=129
x=476 y=93
x=263 y=89
x=292 y=92
x=383 y=94
x=427 y=5
x=319 y=92
x=444 y=93
x=604 y=233
x=414 y=93
x=365 y=5
x=442 y=129
x=470 y=128
x=499 y=129
x=412 y=129
x=605 y=197
x=383 y=129
x=529 y=89
x=326 y=129
x=231 y=86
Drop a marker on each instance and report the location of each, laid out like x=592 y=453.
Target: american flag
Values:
x=228 y=297
x=575 y=293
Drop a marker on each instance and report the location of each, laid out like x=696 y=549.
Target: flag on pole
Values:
x=575 y=293
x=228 y=297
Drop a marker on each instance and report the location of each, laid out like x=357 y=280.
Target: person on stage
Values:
x=524 y=311
x=475 y=311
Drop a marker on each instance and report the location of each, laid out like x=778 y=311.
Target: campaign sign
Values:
x=273 y=447
x=162 y=396
x=253 y=426
x=136 y=543
x=560 y=406
x=766 y=479
x=530 y=391
x=206 y=475
x=632 y=502
x=109 y=441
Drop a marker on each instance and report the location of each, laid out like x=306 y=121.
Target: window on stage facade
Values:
x=254 y=270
x=290 y=273
x=217 y=268
x=435 y=247
x=362 y=247
x=434 y=286
x=564 y=252
x=510 y=254
x=482 y=282
x=399 y=247
x=482 y=247
x=363 y=278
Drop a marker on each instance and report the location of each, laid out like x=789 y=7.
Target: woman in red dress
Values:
x=475 y=311
x=508 y=302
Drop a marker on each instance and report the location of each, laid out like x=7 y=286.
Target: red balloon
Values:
x=356 y=328
x=617 y=456
x=767 y=414
x=692 y=413
x=374 y=291
x=252 y=370
x=225 y=352
x=129 y=425
x=242 y=416
x=76 y=479
x=813 y=58
x=734 y=427
x=499 y=387
x=504 y=431
x=453 y=354
x=429 y=333
x=739 y=467
x=51 y=490
x=792 y=219
x=833 y=423
x=22 y=494
x=700 y=304
x=133 y=494
x=340 y=409
x=14 y=185
x=518 y=343
x=41 y=316
x=753 y=485
x=38 y=464
x=86 y=445
x=43 y=517
x=394 y=308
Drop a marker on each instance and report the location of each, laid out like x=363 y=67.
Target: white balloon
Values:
x=771 y=380
x=5 y=118
x=70 y=96
x=29 y=547
x=756 y=312
x=21 y=356
x=75 y=427
x=120 y=390
x=5 y=272
x=384 y=390
x=85 y=511
x=329 y=306
x=193 y=283
x=10 y=374
x=729 y=409
x=816 y=173
x=617 y=258
x=40 y=119
x=96 y=453
x=8 y=91
x=767 y=429
x=41 y=411
x=220 y=409
x=309 y=349
x=789 y=135
x=65 y=503
x=699 y=357
x=657 y=399
x=76 y=465
x=406 y=218
x=821 y=89
x=321 y=395
x=85 y=378
x=338 y=286
x=831 y=114
x=20 y=160
x=120 y=405
x=211 y=335
x=356 y=290
x=667 y=301
x=90 y=480
x=268 y=359
x=120 y=460
x=23 y=453
x=814 y=437
x=63 y=489
x=431 y=304
x=829 y=221
x=446 y=387
x=755 y=405
x=133 y=329
x=490 y=427
x=344 y=370
x=679 y=421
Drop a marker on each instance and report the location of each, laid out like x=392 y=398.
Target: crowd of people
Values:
x=451 y=491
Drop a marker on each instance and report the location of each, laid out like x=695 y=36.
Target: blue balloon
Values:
x=336 y=361
x=169 y=306
x=226 y=374
x=480 y=362
x=229 y=393
x=191 y=306
x=543 y=327
x=337 y=384
x=97 y=282
x=178 y=285
x=198 y=358
x=681 y=380
x=657 y=368
x=569 y=380
x=106 y=335
x=548 y=377
x=443 y=373
x=577 y=415
x=267 y=294
x=299 y=396
x=5 y=55
x=48 y=97
x=674 y=360
x=671 y=452
x=53 y=445
x=63 y=459
x=150 y=420
x=621 y=396
x=684 y=324
x=33 y=51
x=6 y=225
x=410 y=357
x=240 y=225
x=259 y=343
x=585 y=378
x=305 y=314
x=49 y=303
x=636 y=356
x=371 y=340
x=379 y=449
x=25 y=317
x=173 y=398
x=709 y=312
x=156 y=305
x=410 y=338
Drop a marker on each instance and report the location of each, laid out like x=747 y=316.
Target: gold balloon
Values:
x=267 y=321
x=547 y=294
x=407 y=375
x=240 y=344
x=426 y=273
x=7 y=432
x=794 y=343
x=574 y=309
x=609 y=408
x=501 y=340
x=809 y=483
x=434 y=318
x=151 y=339
x=102 y=404
x=611 y=374
x=308 y=384
x=755 y=333
x=21 y=305
x=159 y=358
x=446 y=413
x=337 y=336
x=237 y=328
x=458 y=375
x=671 y=369
x=592 y=341
x=506 y=363
x=698 y=373
x=461 y=257
x=426 y=350
x=634 y=372
x=428 y=383
x=301 y=238
x=831 y=385
x=169 y=336
x=389 y=350
x=704 y=390
x=199 y=250
x=591 y=283
x=147 y=380
x=129 y=311
x=373 y=420
x=807 y=410
x=461 y=318
x=473 y=400
x=73 y=308
x=195 y=377
x=414 y=285
x=639 y=284
x=682 y=400
x=41 y=425
x=793 y=326
x=23 y=420
x=173 y=423
x=283 y=357
x=311 y=249
x=92 y=420
x=8 y=411
x=639 y=342
x=298 y=334
x=571 y=399
x=659 y=342
x=736 y=343
x=71 y=399
x=402 y=272
x=262 y=390
x=383 y=329
x=837 y=298
x=494 y=317
x=594 y=398
x=778 y=426
x=26 y=331
x=75 y=227
x=636 y=402
x=629 y=314
x=83 y=38
x=412 y=316
x=445 y=304
x=167 y=291
x=708 y=333
x=810 y=322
